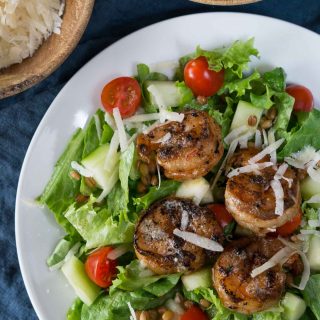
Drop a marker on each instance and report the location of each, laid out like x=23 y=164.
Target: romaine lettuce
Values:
x=311 y=295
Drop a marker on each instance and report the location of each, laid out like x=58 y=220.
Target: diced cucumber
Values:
x=195 y=189
x=163 y=93
x=198 y=279
x=75 y=273
x=313 y=253
x=243 y=112
x=95 y=162
x=208 y=197
x=310 y=188
x=294 y=306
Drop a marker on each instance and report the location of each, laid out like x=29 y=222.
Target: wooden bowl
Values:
x=225 y=2
x=52 y=52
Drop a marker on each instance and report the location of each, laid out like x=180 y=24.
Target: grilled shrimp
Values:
x=185 y=150
x=232 y=275
x=163 y=252
x=251 y=200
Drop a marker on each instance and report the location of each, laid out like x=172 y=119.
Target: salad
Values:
x=194 y=197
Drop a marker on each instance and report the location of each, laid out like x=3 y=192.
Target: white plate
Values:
x=280 y=44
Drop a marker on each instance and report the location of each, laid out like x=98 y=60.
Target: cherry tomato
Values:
x=124 y=93
x=194 y=313
x=289 y=227
x=201 y=80
x=303 y=97
x=221 y=213
x=99 y=268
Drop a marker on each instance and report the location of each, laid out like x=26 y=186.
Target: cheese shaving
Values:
x=170 y=115
x=118 y=252
x=110 y=121
x=279 y=195
x=121 y=131
x=24 y=25
x=234 y=134
x=199 y=241
x=111 y=157
x=163 y=139
x=133 y=314
x=265 y=138
x=269 y=149
x=314 y=199
x=255 y=167
x=142 y=118
x=258 y=139
x=271 y=140
x=184 y=220
x=273 y=261
x=82 y=170
x=98 y=125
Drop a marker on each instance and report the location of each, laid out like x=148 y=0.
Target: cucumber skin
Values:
x=313 y=253
x=243 y=112
x=198 y=279
x=294 y=307
x=76 y=275
x=310 y=188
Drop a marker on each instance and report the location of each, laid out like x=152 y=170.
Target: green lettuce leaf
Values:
x=185 y=93
x=275 y=79
x=131 y=278
x=216 y=311
x=61 y=190
x=115 y=306
x=144 y=74
x=311 y=294
x=234 y=58
x=74 y=313
x=307 y=134
x=98 y=227
x=167 y=188
x=273 y=314
x=61 y=250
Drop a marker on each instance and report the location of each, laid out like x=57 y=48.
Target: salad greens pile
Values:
x=89 y=224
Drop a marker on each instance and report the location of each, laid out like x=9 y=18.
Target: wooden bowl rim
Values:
x=8 y=88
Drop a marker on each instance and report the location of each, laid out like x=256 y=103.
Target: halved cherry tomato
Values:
x=194 y=313
x=201 y=80
x=99 y=268
x=124 y=93
x=303 y=97
x=221 y=213
x=289 y=227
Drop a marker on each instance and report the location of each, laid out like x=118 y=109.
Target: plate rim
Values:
x=33 y=297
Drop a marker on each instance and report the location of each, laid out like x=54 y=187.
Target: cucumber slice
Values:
x=294 y=306
x=95 y=163
x=163 y=93
x=85 y=289
x=243 y=112
x=195 y=189
x=310 y=188
x=313 y=253
x=197 y=279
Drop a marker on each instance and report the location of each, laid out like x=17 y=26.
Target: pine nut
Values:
x=144 y=315
x=141 y=188
x=154 y=180
x=252 y=121
x=145 y=180
x=152 y=167
x=202 y=100
x=144 y=169
x=75 y=175
x=265 y=123
x=80 y=198
x=90 y=182
x=205 y=303
x=272 y=113
x=168 y=315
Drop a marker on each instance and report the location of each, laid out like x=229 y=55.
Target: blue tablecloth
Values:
x=20 y=115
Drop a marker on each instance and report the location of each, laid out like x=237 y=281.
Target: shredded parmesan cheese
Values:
x=121 y=131
x=269 y=149
x=258 y=139
x=234 y=134
x=199 y=241
x=110 y=121
x=255 y=167
x=164 y=139
x=142 y=118
x=24 y=25
x=98 y=125
x=133 y=314
x=271 y=140
x=184 y=220
x=118 y=252
x=273 y=261
x=314 y=199
x=111 y=157
x=265 y=139
x=279 y=195
x=171 y=116
x=82 y=170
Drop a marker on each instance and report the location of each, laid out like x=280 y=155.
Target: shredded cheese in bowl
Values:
x=24 y=25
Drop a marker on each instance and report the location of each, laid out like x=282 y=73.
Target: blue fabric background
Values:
x=20 y=115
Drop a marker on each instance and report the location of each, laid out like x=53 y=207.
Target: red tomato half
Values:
x=291 y=226
x=99 y=268
x=201 y=80
x=221 y=213
x=124 y=93
x=303 y=97
x=194 y=313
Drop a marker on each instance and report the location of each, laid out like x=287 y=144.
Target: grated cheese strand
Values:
x=269 y=149
x=121 y=131
x=249 y=168
x=279 y=195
